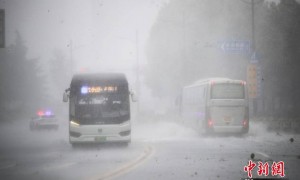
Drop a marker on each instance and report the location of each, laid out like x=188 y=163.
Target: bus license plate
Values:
x=227 y=119
x=100 y=138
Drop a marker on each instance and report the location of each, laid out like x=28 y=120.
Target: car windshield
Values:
x=101 y=105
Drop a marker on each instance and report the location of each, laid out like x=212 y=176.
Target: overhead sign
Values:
x=2 y=28
x=235 y=46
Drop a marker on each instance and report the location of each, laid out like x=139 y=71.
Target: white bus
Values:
x=216 y=105
x=99 y=108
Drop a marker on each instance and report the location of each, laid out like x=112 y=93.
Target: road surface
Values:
x=159 y=150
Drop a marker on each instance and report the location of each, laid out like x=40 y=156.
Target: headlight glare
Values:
x=74 y=123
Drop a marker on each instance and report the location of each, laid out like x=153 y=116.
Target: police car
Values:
x=44 y=120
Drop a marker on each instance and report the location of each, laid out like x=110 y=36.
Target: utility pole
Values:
x=253 y=51
x=137 y=72
x=256 y=86
x=253 y=27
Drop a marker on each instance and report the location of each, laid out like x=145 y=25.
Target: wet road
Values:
x=159 y=150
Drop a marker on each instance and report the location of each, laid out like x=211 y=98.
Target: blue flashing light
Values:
x=48 y=113
x=84 y=90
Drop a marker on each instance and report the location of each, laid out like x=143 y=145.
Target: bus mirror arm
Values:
x=134 y=98
x=66 y=95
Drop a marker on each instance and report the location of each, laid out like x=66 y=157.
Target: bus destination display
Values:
x=97 y=89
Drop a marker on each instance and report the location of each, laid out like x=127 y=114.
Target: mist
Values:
x=162 y=47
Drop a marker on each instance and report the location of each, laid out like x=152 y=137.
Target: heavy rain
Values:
x=149 y=89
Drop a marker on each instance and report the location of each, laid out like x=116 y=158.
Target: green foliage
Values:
x=21 y=86
x=60 y=76
x=183 y=47
x=280 y=48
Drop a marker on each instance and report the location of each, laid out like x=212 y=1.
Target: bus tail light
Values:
x=246 y=118
x=245 y=123
x=208 y=118
x=210 y=123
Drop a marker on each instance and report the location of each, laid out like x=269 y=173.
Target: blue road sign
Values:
x=235 y=46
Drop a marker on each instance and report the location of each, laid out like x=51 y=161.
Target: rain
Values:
x=149 y=89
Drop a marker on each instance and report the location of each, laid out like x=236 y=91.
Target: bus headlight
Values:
x=74 y=123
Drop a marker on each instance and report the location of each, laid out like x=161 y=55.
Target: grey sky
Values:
x=102 y=32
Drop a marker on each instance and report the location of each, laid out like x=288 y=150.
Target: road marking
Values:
x=53 y=167
x=148 y=151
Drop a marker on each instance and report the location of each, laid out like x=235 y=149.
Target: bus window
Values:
x=227 y=91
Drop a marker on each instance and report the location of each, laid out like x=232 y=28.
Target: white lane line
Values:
x=60 y=166
x=149 y=151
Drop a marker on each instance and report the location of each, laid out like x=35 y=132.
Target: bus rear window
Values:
x=227 y=91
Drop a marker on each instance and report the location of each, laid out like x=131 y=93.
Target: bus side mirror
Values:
x=65 y=97
x=134 y=97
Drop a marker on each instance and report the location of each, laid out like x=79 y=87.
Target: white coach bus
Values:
x=216 y=105
x=99 y=108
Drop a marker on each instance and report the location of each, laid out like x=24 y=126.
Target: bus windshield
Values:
x=102 y=105
x=227 y=91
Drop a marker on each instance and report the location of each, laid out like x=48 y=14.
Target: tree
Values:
x=280 y=42
x=59 y=76
x=22 y=86
x=183 y=47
